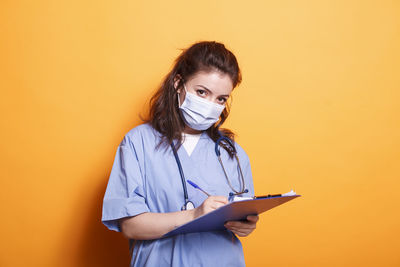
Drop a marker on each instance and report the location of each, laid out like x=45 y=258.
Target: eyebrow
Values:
x=209 y=89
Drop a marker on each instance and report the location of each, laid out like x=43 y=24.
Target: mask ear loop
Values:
x=177 y=93
x=179 y=99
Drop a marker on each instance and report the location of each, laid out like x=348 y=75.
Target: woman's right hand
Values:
x=210 y=204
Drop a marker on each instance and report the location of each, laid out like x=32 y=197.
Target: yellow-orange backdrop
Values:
x=318 y=112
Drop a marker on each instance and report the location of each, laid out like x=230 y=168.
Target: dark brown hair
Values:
x=164 y=114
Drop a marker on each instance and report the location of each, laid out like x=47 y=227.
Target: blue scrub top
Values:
x=146 y=179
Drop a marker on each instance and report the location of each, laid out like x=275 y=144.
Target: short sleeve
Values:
x=125 y=194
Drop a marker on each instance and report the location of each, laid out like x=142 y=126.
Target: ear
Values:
x=177 y=80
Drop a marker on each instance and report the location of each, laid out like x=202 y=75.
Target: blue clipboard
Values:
x=234 y=211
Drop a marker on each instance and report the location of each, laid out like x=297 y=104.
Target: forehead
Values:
x=217 y=82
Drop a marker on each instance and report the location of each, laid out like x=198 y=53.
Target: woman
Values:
x=147 y=195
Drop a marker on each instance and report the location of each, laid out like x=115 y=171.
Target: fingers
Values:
x=240 y=225
x=243 y=228
x=216 y=205
x=213 y=206
x=252 y=218
x=210 y=204
x=215 y=202
x=220 y=199
x=240 y=232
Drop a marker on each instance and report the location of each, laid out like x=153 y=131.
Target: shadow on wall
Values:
x=92 y=244
x=99 y=246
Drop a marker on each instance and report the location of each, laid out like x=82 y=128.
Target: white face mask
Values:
x=199 y=113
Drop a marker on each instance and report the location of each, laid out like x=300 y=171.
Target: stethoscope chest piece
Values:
x=188 y=206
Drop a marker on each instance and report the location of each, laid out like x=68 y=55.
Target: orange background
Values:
x=318 y=112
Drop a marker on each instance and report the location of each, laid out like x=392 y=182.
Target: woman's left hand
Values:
x=243 y=228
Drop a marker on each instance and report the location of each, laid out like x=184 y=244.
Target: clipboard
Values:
x=234 y=211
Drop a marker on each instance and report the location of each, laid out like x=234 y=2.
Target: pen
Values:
x=197 y=187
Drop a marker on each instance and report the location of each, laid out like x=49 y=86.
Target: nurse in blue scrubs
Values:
x=145 y=196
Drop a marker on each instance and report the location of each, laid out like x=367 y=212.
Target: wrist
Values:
x=193 y=214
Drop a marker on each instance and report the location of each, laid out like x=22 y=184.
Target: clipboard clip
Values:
x=288 y=194
x=267 y=196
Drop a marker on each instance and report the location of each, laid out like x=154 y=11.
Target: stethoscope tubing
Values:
x=233 y=150
x=178 y=162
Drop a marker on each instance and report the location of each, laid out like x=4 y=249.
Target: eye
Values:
x=221 y=100
x=201 y=92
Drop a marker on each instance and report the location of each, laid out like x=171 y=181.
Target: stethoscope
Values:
x=221 y=140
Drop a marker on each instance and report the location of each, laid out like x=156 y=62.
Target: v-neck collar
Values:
x=190 y=141
x=203 y=136
x=189 y=161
